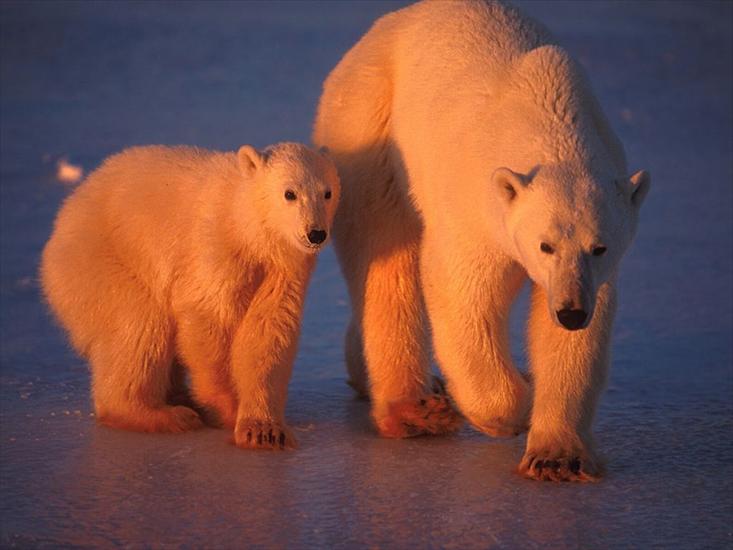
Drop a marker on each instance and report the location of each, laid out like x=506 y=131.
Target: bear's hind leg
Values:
x=407 y=417
x=355 y=364
x=388 y=338
x=132 y=360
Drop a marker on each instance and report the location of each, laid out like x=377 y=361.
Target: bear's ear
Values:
x=508 y=184
x=636 y=187
x=323 y=150
x=250 y=160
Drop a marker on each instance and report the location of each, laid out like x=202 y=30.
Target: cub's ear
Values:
x=636 y=187
x=508 y=184
x=323 y=150
x=250 y=160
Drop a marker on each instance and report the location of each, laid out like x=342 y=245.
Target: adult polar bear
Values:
x=472 y=153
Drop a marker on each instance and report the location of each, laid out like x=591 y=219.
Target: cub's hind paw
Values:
x=184 y=419
x=262 y=434
x=169 y=419
x=545 y=466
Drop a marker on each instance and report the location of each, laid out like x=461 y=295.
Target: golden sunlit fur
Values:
x=172 y=257
x=465 y=139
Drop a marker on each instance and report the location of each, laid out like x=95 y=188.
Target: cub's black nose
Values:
x=316 y=236
x=572 y=319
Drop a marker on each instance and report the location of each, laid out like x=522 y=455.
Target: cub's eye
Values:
x=289 y=195
x=599 y=250
x=327 y=195
x=546 y=248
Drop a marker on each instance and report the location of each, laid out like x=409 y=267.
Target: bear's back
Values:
x=463 y=33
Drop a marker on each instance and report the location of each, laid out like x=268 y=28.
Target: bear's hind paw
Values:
x=431 y=415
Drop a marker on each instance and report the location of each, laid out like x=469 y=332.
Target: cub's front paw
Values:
x=560 y=465
x=262 y=434
x=432 y=415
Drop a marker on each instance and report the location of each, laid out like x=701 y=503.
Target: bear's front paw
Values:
x=503 y=419
x=500 y=427
x=559 y=465
x=262 y=434
x=432 y=415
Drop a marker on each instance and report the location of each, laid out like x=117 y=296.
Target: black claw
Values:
x=249 y=437
x=282 y=440
x=271 y=437
x=574 y=465
x=538 y=465
x=422 y=402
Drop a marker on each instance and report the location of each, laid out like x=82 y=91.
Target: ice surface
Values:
x=88 y=79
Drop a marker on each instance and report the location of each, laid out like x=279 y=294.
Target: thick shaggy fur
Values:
x=166 y=258
x=465 y=139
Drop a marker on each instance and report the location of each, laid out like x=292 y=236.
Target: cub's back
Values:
x=138 y=211
x=151 y=181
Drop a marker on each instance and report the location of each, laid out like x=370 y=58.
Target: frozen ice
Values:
x=88 y=79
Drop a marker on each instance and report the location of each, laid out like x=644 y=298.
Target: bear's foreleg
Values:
x=262 y=355
x=469 y=305
x=569 y=371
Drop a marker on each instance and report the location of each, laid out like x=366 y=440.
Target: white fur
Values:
x=172 y=257
x=464 y=138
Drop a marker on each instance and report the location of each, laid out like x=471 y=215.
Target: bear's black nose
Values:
x=317 y=236
x=572 y=319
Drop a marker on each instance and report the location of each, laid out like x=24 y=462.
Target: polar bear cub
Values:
x=169 y=260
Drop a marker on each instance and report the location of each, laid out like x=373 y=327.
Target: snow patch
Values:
x=67 y=172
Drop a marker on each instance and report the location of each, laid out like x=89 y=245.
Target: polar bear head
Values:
x=569 y=229
x=298 y=191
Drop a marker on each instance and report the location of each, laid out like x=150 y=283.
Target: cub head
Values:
x=298 y=188
x=569 y=231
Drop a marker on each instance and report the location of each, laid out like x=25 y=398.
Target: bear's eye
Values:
x=327 y=195
x=289 y=195
x=546 y=248
x=599 y=250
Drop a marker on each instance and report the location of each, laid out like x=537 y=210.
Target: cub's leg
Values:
x=569 y=371
x=262 y=355
x=178 y=392
x=204 y=349
x=387 y=335
x=131 y=359
x=469 y=310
